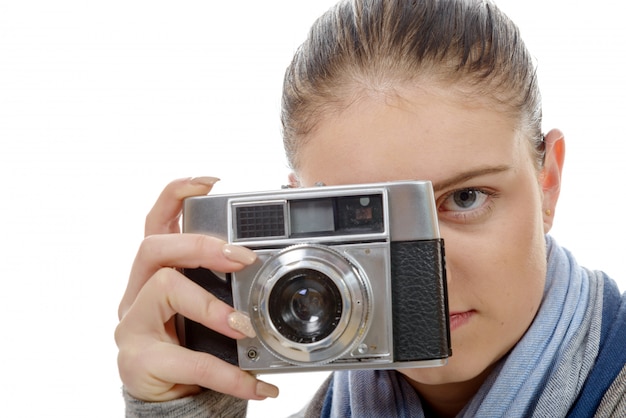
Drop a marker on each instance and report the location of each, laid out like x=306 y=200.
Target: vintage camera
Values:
x=347 y=277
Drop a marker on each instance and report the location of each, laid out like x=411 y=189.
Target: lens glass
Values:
x=305 y=306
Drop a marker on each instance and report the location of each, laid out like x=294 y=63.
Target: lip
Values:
x=458 y=319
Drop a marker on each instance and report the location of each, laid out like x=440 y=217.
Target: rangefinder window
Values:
x=360 y=214
x=261 y=221
x=312 y=216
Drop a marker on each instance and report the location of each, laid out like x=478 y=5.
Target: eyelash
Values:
x=466 y=216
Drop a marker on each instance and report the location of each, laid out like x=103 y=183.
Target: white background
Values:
x=103 y=103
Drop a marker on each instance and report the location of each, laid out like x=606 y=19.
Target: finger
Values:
x=150 y=361
x=182 y=250
x=167 y=293
x=190 y=369
x=196 y=368
x=164 y=216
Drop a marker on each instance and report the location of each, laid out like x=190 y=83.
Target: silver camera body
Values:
x=347 y=277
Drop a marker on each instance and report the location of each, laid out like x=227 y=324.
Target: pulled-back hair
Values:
x=361 y=45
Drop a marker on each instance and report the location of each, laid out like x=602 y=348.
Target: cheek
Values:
x=502 y=280
x=499 y=267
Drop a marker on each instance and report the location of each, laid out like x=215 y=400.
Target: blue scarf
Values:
x=541 y=376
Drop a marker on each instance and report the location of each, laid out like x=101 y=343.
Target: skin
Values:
x=495 y=246
x=152 y=364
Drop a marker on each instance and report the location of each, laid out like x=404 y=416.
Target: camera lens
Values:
x=309 y=304
x=305 y=306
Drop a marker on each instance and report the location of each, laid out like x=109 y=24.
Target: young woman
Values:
x=442 y=90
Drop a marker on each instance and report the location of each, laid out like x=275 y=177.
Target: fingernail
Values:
x=266 y=390
x=239 y=254
x=239 y=321
x=204 y=181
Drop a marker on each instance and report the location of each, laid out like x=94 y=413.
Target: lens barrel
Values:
x=310 y=304
x=305 y=306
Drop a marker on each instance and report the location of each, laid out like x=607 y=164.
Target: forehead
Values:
x=415 y=133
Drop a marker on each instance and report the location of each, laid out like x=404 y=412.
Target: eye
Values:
x=466 y=204
x=465 y=199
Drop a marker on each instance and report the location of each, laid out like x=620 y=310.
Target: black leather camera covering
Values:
x=197 y=336
x=419 y=293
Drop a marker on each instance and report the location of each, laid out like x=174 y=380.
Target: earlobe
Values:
x=293 y=180
x=550 y=177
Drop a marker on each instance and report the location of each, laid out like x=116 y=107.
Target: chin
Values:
x=456 y=371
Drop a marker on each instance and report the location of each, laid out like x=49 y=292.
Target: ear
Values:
x=550 y=176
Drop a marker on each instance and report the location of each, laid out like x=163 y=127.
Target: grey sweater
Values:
x=213 y=404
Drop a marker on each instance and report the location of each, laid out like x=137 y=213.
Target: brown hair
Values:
x=372 y=44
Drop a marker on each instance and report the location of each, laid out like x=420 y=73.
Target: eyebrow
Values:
x=468 y=175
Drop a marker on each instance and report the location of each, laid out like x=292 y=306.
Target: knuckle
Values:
x=119 y=333
x=150 y=246
x=128 y=362
x=204 y=244
x=240 y=380
x=213 y=307
x=203 y=368
x=166 y=280
x=209 y=372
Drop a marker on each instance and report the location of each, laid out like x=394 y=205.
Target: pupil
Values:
x=465 y=198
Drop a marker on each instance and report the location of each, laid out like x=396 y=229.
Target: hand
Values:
x=152 y=364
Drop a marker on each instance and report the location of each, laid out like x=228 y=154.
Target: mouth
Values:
x=458 y=319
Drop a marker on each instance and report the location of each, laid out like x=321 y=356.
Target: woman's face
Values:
x=489 y=201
